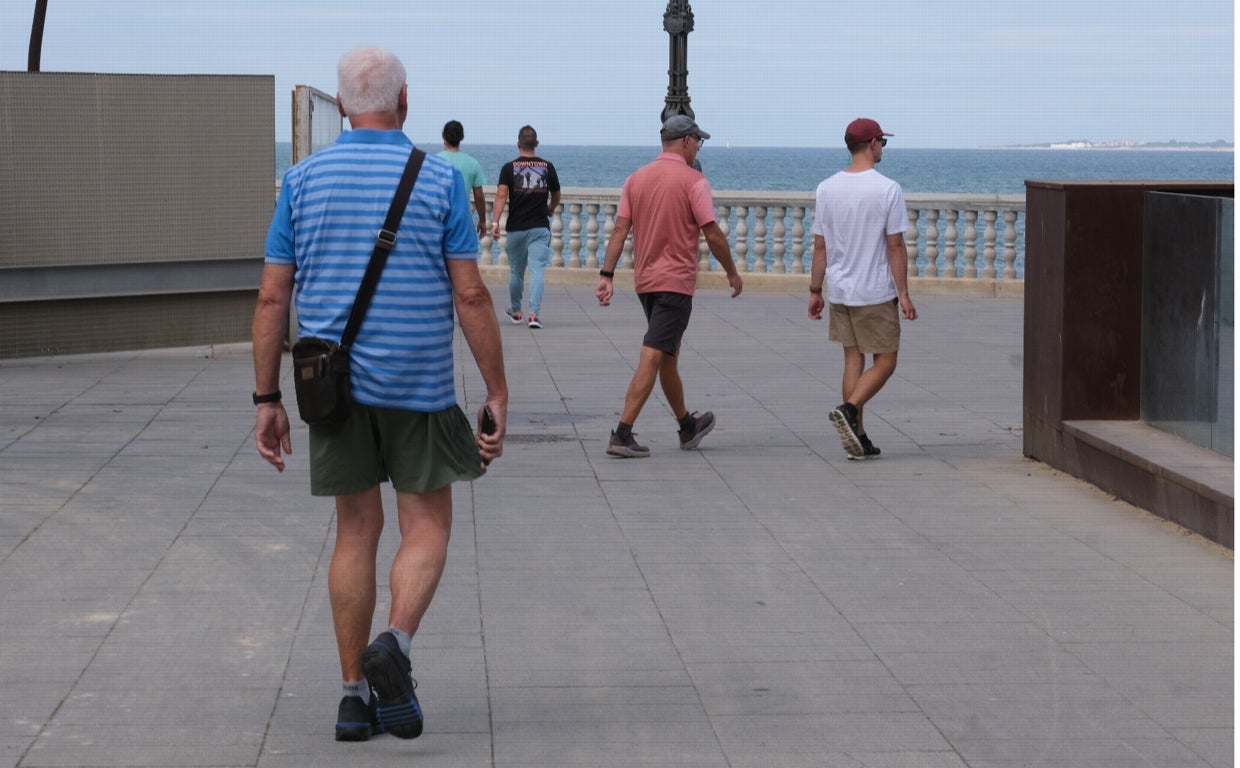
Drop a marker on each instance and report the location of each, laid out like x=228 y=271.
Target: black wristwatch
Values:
x=272 y=397
x=606 y=273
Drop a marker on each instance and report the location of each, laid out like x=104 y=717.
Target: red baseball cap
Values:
x=861 y=130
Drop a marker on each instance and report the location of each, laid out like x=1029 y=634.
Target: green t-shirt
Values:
x=468 y=166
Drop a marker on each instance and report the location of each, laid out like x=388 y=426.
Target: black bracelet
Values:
x=605 y=273
x=272 y=397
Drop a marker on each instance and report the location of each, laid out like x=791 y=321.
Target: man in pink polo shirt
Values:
x=665 y=204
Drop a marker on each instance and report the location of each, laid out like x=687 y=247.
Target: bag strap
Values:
x=384 y=242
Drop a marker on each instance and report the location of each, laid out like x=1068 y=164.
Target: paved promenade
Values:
x=758 y=603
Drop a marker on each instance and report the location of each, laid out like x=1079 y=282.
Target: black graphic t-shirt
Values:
x=530 y=182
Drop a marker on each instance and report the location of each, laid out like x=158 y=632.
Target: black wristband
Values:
x=605 y=273
x=272 y=397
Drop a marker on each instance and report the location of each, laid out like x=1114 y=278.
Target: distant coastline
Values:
x=1141 y=146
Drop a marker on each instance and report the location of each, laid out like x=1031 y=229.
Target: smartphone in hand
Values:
x=487 y=427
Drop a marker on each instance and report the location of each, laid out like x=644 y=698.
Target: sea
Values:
x=943 y=171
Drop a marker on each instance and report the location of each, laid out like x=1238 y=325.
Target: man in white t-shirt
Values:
x=859 y=223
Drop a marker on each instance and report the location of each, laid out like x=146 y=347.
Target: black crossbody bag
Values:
x=321 y=367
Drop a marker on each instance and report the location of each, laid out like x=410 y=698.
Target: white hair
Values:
x=370 y=80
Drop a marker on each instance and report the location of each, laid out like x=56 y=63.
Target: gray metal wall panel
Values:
x=103 y=169
x=132 y=168
x=140 y=322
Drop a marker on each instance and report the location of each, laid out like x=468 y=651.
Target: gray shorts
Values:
x=667 y=317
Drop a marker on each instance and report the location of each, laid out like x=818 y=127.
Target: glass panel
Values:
x=1187 y=318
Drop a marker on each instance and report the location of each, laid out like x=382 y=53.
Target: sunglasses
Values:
x=882 y=142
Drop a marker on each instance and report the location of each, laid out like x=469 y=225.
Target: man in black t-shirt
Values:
x=534 y=189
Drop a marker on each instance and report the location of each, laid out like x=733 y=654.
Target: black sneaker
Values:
x=356 y=720
x=844 y=417
x=628 y=449
x=702 y=425
x=514 y=315
x=388 y=672
x=869 y=450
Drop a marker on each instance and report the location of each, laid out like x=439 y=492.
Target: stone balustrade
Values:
x=950 y=237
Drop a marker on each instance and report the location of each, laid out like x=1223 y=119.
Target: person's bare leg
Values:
x=673 y=387
x=425 y=527
x=869 y=382
x=351 y=576
x=649 y=365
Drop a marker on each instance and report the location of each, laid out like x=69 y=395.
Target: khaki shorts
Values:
x=872 y=330
x=418 y=452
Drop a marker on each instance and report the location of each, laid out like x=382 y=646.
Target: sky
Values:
x=779 y=73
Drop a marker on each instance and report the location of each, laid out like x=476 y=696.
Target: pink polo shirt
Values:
x=668 y=203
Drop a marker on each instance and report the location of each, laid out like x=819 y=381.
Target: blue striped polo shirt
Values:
x=329 y=209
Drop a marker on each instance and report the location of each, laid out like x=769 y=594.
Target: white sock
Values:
x=402 y=639
x=360 y=688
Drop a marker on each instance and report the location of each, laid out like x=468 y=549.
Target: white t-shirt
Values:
x=854 y=213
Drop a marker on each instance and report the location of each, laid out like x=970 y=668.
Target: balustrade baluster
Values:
x=781 y=248
x=609 y=226
x=932 y=243
x=485 y=257
x=591 y=236
x=574 y=229
x=741 y=251
x=949 y=247
x=970 y=243
x=910 y=241
x=988 y=250
x=759 y=240
x=1009 y=245
x=798 y=240
x=503 y=247
x=721 y=217
x=557 y=238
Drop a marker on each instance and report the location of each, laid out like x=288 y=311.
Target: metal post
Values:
x=678 y=21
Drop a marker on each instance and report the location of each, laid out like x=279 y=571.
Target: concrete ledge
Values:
x=1165 y=474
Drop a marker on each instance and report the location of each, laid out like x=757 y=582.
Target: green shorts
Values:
x=873 y=329
x=418 y=452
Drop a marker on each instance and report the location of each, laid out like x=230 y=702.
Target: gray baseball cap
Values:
x=679 y=126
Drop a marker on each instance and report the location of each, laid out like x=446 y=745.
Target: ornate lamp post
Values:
x=678 y=21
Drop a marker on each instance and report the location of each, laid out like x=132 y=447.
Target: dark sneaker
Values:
x=514 y=315
x=868 y=450
x=844 y=417
x=356 y=720
x=702 y=425
x=534 y=321
x=628 y=449
x=388 y=672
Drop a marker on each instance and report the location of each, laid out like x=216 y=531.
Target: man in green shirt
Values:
x=453 y=134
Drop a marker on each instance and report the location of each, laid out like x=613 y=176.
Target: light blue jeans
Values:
x=532 y=247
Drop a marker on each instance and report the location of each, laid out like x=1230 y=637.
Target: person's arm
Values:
x=476 y=314
x=611 y=257
x=553 y=203
x=268 y=331
x=718 y=243
x=480 y=205
x=817 y=278
x=897 y=257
